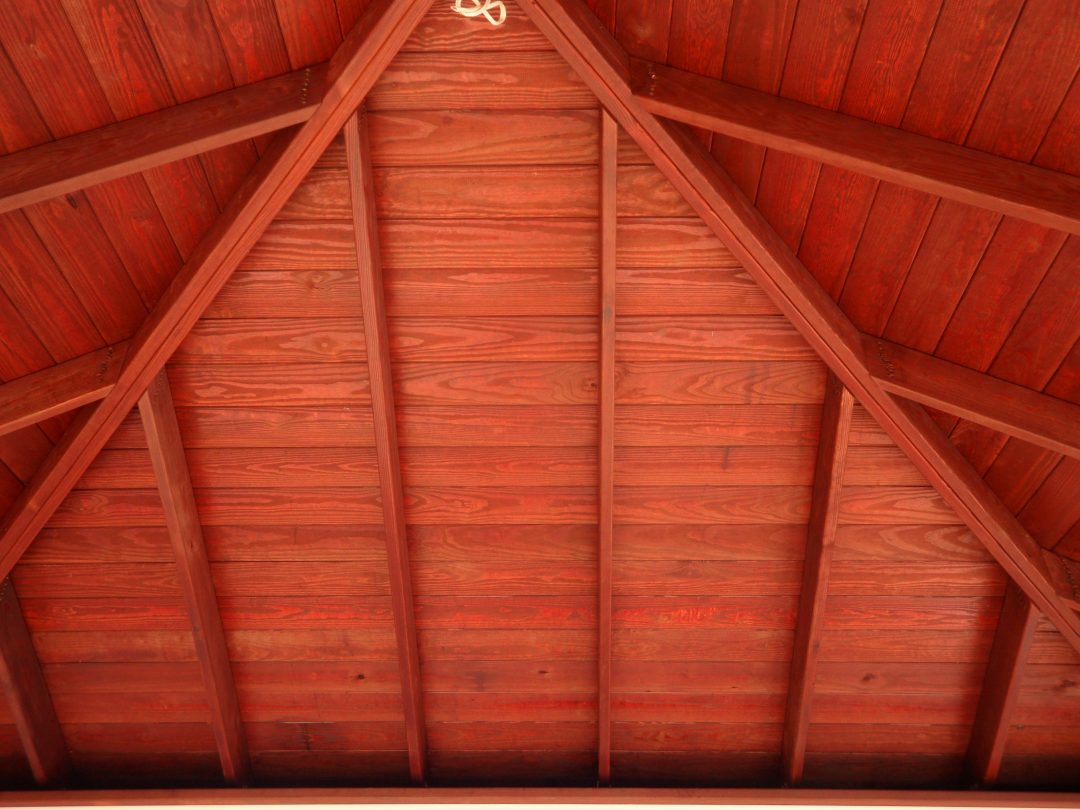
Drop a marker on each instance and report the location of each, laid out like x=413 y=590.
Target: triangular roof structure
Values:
x=497 y=430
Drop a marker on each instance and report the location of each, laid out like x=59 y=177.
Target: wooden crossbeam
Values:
x=605 y=68
x=60 y=388
x=821 y=534
x=1040 y=419
x=1001 y=686
x=359 y=61
x=28 y=696
x=954 y=172
x=381 y=385
x=137 y=144
x=185 y=531
x=609 y=147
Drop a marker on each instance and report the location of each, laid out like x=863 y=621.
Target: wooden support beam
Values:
x=609 y=147
x=954 y=172
x=28 y=696
x=60 y=388
x=359 y=61
x=185 y=531
x=137 y=144
x=1040 y=419
x=605 y=68
x=1001 y=686
x=821 y=534
x=381 y=384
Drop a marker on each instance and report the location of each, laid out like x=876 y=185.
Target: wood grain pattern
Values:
x=727 y=382
x=28 y=696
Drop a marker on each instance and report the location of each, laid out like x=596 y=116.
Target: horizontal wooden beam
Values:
x=137 y=144
x=777 y=797
x=820 y=540
x=355 y=67
x=1040 y=419
x=955 y=172
x=60 y=388
x=605 y=67
x=169 y=460
x=23 y=684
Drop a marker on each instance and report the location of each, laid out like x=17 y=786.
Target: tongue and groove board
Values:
x=485 y=149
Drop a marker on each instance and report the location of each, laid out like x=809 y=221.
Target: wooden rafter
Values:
x=1001 y=686
x=28 y=696
x=955 y=172
x=609 y=147
x=60 y=388
x=359 y=61
x=605 y=67
x=1040 y=419
x=384 y=414
x=117 y=150
x=185 y=531
x=821 y=533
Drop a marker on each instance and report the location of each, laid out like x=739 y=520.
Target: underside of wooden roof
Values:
x=638 y=394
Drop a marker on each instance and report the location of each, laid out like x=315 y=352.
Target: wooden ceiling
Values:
x=503 y=432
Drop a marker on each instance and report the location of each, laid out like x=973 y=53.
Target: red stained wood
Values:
x=824 y=516
x=377 y=339
x=28 y=696
x=922 y=163
x=1001 y=686
x=185 y=530
x=352 y=72
x=61 y=388
x=1015 y=410
x=607 y=385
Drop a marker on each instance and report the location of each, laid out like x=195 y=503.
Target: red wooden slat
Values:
x=362 y=191
x=824 y=513
x=28 y=695
x=185 y=530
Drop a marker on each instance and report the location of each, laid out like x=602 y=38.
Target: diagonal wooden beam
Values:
x=185 y=531
x=61 y=388
x=381 y=385
x=1001 y=686
x=359 y=61
x=1040 y=419
x=28 y=696
x=955 y=172
x=821 y=534
x=609 y=148
x=605 y=67
x=137 y=144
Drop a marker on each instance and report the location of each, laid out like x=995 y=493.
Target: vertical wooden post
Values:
x=362 y=190
x=1001 y=685
x=28 y=695
x=609 y=145
x=185 y=531
x=821 y=533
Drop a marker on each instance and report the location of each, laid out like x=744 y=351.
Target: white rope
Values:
x=477 y=8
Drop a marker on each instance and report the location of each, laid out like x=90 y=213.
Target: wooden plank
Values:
x=1001 y=687
x=185 y=530
x=28 y=696
x=351 y=73
x=605 y=66
x=381 y=380
x=821 y=538
x=157 y=138
x=609 y=146
x=1012 y=409
x=60 y=388
x=897 y=156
